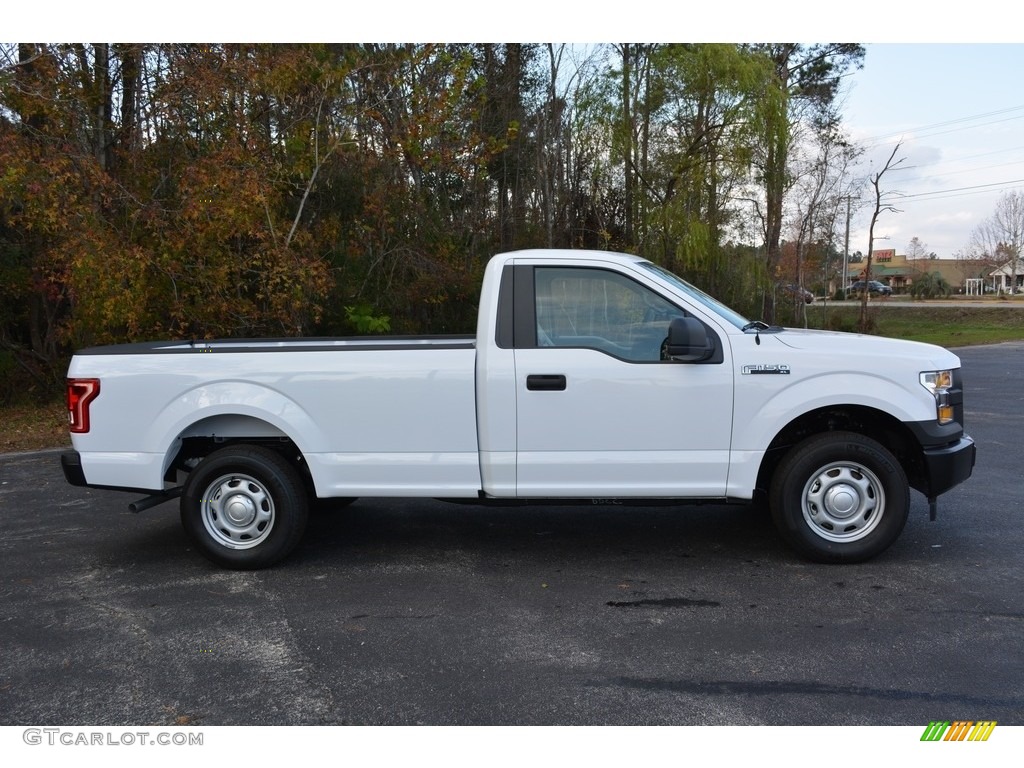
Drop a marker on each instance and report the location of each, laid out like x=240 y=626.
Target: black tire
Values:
x=839 y=497
x=244 y=507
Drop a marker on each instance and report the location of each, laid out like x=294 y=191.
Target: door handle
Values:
x=545 y=382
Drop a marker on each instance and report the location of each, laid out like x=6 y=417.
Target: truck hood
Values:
x=835 y=343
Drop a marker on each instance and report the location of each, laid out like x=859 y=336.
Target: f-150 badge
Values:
x=766 y=368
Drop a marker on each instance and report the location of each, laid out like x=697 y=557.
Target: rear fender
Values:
x=233 y=410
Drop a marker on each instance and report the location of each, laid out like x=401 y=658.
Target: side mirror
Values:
x=688 y=341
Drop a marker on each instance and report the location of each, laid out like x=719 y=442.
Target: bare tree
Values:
x=1004 y=232
x=881 y=206
x=916 y=250
x=821 y=190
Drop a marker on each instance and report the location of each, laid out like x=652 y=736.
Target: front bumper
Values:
x=948 y=466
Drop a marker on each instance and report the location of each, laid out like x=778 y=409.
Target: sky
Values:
x=946 y=85
x=958 y=112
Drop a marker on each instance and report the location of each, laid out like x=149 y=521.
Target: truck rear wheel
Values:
x=840 y=497
x=244 y=507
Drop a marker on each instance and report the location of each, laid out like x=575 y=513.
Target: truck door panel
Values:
x=621 y=421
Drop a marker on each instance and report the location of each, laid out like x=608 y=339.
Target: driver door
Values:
x=600 y=413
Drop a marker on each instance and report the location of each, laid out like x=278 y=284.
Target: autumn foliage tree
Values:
x=202 y=190
x=184 y=222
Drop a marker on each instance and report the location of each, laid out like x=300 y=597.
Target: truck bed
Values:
x=398 y=417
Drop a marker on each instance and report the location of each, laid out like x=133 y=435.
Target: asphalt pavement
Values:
x=407 y=612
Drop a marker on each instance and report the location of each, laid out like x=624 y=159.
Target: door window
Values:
x=602 y=310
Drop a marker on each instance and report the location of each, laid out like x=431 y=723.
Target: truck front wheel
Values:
x=839 y=497
x=244 y=507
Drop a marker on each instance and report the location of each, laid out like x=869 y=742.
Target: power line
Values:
x=976 y=189
x=872 y=140
x=968 y=122
x=984 y=154
x=976 y=169
x=923 y=136
x=966 y=127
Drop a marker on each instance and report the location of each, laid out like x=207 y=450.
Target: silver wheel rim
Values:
x=237 y=511
x=843 y=502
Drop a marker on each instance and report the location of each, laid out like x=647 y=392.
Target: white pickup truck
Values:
x=592 y=376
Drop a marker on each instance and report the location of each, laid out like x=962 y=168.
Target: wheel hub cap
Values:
x=237 y=511
x=843 y=502
x=240 y=509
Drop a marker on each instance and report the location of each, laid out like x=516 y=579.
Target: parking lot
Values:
x=407 y=612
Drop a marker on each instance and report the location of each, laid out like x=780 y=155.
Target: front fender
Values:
x=760 y=418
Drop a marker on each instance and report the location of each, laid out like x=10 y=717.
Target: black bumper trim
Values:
x=71 y=463
x=931 y=434
x=948 y=466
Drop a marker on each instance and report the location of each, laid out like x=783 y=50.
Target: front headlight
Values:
x=939 y=384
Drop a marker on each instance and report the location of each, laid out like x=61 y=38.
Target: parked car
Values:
x=873 y=286
x=797 y=292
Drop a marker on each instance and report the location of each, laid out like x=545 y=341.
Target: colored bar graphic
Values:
x=935 y=730
x=982 y=730
x=959 y=730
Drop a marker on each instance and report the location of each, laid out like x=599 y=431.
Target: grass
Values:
x=945 y=326
x=35 y=427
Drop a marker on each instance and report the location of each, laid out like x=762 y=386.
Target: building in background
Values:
x=1003 y=278
x=963 y=276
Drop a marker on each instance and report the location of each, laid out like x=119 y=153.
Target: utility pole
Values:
x=846 y=248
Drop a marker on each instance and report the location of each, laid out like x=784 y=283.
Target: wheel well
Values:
x=872 y=423
x=193 y=449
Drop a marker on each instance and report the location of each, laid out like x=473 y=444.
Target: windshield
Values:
x=708 y=302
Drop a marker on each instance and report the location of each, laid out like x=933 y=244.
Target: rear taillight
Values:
x=81 y=392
